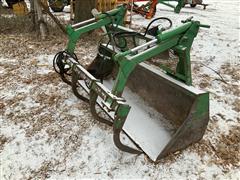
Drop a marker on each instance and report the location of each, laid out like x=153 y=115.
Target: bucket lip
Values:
x=159 y=72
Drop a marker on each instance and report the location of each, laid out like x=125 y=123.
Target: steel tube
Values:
x=83 y=23
x=144 y=45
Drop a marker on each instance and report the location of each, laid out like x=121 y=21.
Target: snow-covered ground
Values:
x=46 y=132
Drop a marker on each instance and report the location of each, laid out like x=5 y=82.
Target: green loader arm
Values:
x=115 y=16
x=179 y=39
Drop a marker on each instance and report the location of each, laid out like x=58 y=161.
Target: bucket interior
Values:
x=159 y=106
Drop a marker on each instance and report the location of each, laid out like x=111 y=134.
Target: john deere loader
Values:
x=153 y=104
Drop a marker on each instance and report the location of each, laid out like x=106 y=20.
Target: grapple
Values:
x=155 y=106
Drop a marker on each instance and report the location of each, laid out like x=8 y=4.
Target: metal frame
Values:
x=179 y=39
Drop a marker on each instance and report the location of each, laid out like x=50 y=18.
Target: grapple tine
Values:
x=119 y=121
x=116 y=131
x=75 y=85
x=93 y=103
x=120 y=145
x=64 y=78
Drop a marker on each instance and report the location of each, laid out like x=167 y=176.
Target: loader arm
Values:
x=75 y=31
x=179 y=39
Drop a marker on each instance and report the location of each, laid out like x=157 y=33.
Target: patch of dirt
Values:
x=26 y=46
x=19 y=40
x=5 y=10
x=224 y=150
x=236 y=105
x=51 y=77
x=203 y=147
x=42 y=172
x=39 y=124
x=232 y=70
x=228 y=149
x=2 y=106
x=231 y=89
x=3 y=141
x=15 y=24
x=47 y=99
x=205 y=82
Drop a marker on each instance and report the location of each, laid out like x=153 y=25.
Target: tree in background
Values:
x=37 y=18
x=83 y=9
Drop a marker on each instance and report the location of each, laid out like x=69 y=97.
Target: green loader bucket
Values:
x=166 y=115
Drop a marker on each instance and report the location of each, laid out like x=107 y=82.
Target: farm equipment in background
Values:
x=19 y=7
x=154 y=105
x=58 y=5
x=194 y=3
x=101 y=5
x=106 y=5
x=10 y=3
x=148 y=10
x=149 y=7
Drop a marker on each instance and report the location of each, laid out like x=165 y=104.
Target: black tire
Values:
x=10 y=3
x=57 y=9
x=193 y=5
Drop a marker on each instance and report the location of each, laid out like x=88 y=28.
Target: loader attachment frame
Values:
x=186 y=108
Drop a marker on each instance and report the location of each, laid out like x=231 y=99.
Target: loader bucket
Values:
x=166 y=115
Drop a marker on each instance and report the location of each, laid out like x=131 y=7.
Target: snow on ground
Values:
x=46 y=132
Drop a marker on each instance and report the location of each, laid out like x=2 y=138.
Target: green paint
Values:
x=202 y=106
x=101 y=20
x=121 y=115
x=177 y=8
x=179 y=39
